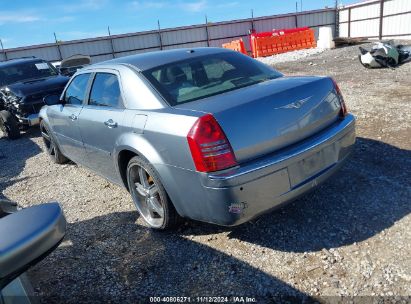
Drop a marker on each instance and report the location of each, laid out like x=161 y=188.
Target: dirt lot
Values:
x=351 y=237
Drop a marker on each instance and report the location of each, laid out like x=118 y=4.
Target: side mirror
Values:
x=28 y=236
x=7 y=207
x=52 y=99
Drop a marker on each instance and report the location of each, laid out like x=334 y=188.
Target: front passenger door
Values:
x=101 y=123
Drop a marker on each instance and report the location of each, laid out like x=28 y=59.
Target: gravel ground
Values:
x=290 y=56
x=350 y=237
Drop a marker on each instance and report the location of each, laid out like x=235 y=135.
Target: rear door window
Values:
x=105 y=91
x=76 y=91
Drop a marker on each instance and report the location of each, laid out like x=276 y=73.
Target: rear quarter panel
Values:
x=159 y=136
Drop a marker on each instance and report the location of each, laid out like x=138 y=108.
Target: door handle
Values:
x=73 y=117
x=111 y=124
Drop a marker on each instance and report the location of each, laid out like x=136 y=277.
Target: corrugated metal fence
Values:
x=210 y=34
x=380 y=19
x=373 y=19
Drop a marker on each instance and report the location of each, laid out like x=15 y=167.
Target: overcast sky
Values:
x=31 y=22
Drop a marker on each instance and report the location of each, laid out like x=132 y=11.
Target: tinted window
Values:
x=26 y=71
x=216 y=68
x=105 y=91
x=209 y=75
x=76 y=91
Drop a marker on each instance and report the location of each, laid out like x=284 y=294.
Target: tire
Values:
x=51 y=146
x=149 y=196
x=9 y=125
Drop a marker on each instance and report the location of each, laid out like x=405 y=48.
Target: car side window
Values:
x=105 y=91
x=76 y=91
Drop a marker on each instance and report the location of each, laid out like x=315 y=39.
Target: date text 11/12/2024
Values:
x=232 y=299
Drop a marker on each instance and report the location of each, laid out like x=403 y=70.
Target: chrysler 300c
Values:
x=205 y=133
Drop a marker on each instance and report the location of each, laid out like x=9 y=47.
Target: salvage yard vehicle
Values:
x=23 y=84
x=70 y=65
x=26 y=237
x=204 y=133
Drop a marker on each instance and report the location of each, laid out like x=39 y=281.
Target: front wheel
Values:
x=52 y=148
x=149 y=195
x=9 y=125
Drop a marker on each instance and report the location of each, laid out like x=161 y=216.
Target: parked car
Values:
x=205 y=133
x=72 y=64
x=27 y=237
x=23 y=84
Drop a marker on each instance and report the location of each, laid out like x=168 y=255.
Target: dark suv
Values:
x=24 y=83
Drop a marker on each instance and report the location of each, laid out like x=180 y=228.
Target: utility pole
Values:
x=301 y=5
x=252 y=21
x=111 y=42
x=381 y=19
x=337 y=20
x=296 y=7
x=2 y=48
x=58 y=46
x=207 y=33
x=159 y=35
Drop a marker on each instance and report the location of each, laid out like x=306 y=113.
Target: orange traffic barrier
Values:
x=236 y=45
x=281 y=43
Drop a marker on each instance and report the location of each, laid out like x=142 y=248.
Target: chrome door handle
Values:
x=110 y=123
x=73 y=117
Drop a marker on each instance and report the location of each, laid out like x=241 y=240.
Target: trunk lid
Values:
x=271 y=115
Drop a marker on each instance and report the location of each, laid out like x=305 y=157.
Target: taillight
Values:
x=210 y=148
x=344 y=110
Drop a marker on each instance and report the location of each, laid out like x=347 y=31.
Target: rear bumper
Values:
x=240 y=194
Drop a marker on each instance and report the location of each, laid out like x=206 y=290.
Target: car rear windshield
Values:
x=25 y=71
x=205 y=76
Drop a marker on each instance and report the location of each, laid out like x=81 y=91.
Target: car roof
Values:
x=150 y=60
x=12 y=62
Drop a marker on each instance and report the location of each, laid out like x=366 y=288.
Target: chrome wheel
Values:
x=146 y=196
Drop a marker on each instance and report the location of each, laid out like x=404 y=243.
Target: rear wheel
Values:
x=52 y=148
x=149 y=195
x=9 y=125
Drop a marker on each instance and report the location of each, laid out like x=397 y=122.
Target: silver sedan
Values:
x=205 y=133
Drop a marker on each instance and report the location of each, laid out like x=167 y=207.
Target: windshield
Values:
x=26 y=71
x=201 y=77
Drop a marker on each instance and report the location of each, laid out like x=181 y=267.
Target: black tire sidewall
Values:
x=10 y=123
x=58 y=157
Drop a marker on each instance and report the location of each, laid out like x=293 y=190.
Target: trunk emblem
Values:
x=295 y=105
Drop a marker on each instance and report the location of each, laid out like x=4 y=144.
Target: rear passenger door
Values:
x=101 y=122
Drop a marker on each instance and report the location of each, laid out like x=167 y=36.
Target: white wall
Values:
x=396 y=20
